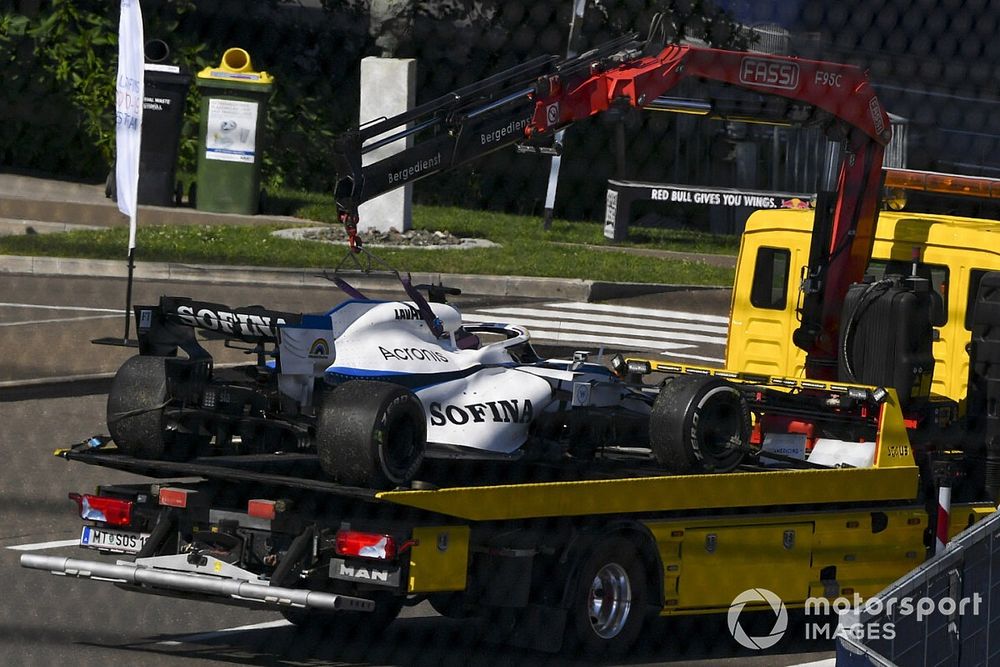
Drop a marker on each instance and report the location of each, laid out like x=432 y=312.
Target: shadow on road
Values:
x=55 y=389
x=438 y=641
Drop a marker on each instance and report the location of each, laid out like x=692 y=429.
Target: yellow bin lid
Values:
x=236 y=66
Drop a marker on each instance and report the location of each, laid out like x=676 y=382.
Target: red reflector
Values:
x=262 y=509
x=113 y=511
x=365 y=545
x=174 y=497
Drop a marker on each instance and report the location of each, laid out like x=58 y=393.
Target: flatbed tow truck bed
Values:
x=549 y=491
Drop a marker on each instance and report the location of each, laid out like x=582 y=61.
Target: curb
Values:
x=573 y=289
x=64 y=386
x=55 y=387
x=722 y=261
x=18 y=226
x=106 y=214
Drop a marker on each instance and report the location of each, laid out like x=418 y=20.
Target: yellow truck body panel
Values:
x=773 y=255
x=439 y=559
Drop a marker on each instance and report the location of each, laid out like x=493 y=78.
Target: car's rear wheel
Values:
x=136 y=413
x=371 y=434
x=699 y=424
x=135 y=410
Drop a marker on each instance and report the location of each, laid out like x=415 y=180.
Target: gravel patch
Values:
x=414 y=238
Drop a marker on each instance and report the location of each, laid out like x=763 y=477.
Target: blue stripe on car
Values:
x=412 y=381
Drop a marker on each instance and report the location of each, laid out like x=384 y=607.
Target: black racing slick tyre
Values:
x=699 y=424
x=370 y=434
x=136 y=401
x=608 y=600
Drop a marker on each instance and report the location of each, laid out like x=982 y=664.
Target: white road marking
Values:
x=60 y=319
x=648 y=312
x=695 y=357
x=45 y=545
x=589 y=317
x=649 y=335
x=78 y=308
x=215 y=634
x=576 y=337
x=666 y=331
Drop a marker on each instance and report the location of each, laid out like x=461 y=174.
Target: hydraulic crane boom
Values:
x=528 y=103
x=468 y=123
x=798 y=92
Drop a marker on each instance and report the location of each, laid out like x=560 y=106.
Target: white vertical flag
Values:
x=128 y=111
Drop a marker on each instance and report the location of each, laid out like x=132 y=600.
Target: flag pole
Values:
x=129 y=97
x=128 y=297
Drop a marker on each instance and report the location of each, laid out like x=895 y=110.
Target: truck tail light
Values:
x=112 y=511
x=169 y=497
x=262 y=509
x=365 y=545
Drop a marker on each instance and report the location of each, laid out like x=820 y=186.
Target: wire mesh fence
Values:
x=934 y=65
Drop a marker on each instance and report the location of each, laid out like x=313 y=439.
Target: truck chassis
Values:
x=562 y=558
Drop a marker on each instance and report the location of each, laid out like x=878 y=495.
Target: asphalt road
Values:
x=54 y=620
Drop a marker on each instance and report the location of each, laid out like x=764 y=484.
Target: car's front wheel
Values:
x=699 y=424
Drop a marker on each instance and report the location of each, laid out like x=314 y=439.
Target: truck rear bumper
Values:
x=174 y=581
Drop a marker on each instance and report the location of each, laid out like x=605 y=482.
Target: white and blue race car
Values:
x=373 y=386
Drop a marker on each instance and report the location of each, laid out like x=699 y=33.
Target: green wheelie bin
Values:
x=233 y=108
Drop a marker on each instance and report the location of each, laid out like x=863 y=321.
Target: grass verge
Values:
x=526 y=249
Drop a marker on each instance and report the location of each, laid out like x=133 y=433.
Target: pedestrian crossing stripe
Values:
x=668 y=332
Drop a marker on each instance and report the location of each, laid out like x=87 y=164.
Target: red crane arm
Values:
x=837 y=96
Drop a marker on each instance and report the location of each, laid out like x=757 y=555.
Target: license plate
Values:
x=108 y=539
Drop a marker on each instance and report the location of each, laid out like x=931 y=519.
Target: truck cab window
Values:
x=975 y=277
x=770 y=278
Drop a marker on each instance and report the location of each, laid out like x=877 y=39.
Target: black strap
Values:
x=435 y=324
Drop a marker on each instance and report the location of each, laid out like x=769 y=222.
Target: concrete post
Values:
x=388 y=87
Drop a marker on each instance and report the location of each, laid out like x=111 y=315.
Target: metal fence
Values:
x=953 y=634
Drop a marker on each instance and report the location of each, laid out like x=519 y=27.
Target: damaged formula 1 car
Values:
x=373 y=386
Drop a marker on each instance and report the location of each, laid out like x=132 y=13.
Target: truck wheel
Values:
x=451 y=605
x=345 y=626
x=699 y=424
x=607 y=606
x=136 y=400
x=370 y=434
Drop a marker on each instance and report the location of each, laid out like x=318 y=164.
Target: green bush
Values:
x=61 y=92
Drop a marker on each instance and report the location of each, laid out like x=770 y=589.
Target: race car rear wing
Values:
x=172 y=324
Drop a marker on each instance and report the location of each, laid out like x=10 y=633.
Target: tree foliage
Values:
x=59 y=69
x=63 y=68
